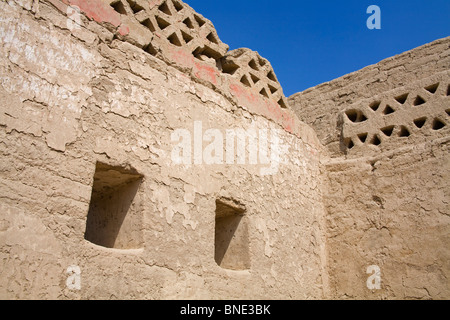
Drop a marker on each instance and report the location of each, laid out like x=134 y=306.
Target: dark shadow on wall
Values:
x=114 y=218
x=231 y=237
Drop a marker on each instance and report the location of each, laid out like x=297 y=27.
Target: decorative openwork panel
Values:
x=159 y=27
x=255 y=72
x=156 y=23
x=398 y=117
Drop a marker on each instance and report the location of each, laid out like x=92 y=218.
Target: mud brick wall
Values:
x=88 y=181
x=323 y=106
x=416 y=113
x=391 y=211
x=114 y=120
x=386 y=128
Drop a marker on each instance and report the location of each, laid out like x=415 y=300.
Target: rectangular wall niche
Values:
x=114 y=219
x=231 y=236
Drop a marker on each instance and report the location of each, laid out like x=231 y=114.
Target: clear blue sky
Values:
x=311 y=42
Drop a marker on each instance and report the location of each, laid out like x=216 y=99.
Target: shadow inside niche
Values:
x=231 y=238
x=114 y=218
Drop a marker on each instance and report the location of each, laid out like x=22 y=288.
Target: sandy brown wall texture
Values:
x=322 y=106
x=97 y=198
x=387 y=130
x=390 y=211
x=142 y=159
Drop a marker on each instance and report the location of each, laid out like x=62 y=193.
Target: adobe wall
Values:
x=387 y=130
x=90 y=119
x=322 y=106
x=95 y=113
x=391 y=211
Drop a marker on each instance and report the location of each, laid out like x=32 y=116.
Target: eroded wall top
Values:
x=400 y=101
x=412 y=114
x=90 y=125
x=173 y=32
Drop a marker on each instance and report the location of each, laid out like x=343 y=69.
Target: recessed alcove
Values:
x=231 y=236
x=114 y=218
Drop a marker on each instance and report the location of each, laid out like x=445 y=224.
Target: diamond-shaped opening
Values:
x=404 y=132
x=229 y=67
x=272 y=89
x=402 y=99
x=197 y=53
x=162 y=24
x=253 y=65
x=388 y=130
x=448 y=112
x=173 y=38
x=150 y=49
x=211 y=37
x=231 y=239
x=448 y=90
x=245 y=81
x=375 y=105
x=352 y=115
x=135 y=6
x=148 y=24
x=271 y=76
x=262 y=62
x=211 y=53
x=263 y=92
x=362 y=117
x=282 y=104
x=418 y=101
x=362 y=137
x=177 y=5
x=114 y=218
x=419 y=123
x=348 y=142
x=165 y=8
x=186 y=37
x=355 y=115
x=388 y=110
x=188 y=23
x=255 y=79
x=438 y=124
x=375 y=140
x=199 y=20
x=433 y=88
x=119 y=7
